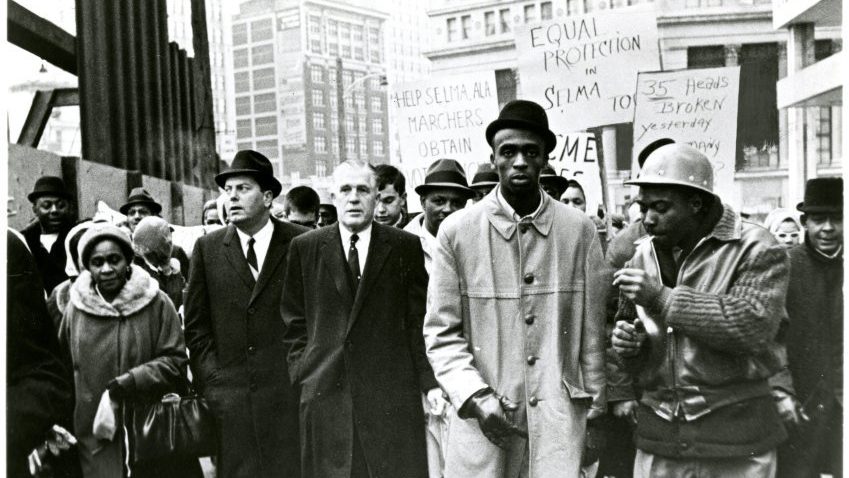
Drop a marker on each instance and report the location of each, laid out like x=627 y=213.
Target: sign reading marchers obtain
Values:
x=576 y=157
x=443 y=117
x=696 y=107
x=583 y=69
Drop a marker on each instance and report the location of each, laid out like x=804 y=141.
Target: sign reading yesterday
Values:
x=696 y=107
x=583 y=69
x=443 y=117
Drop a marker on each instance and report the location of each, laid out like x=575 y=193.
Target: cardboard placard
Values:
x=576 y=157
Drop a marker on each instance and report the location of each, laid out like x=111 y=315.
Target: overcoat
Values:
x=235 y=337
x=51 y=264
x=519 y=307
x=359 y=358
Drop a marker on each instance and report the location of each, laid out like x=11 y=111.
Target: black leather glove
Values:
x=121 y=387
x=594 y=442
x=491 y=411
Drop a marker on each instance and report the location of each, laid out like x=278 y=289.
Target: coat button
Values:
x=529 y=278
x=251 y=350
x=251 y=311
x=529 y=319
x=684 y=445
x=532 y=360
x=253 y=387
x=523 y=228
x=533 y=401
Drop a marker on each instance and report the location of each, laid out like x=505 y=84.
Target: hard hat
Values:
x=676 y=164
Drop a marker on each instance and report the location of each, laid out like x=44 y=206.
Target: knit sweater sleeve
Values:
x=745 y=319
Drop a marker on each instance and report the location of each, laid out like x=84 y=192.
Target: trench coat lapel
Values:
x=236 y=257
x=276 y=252
x=378 y=251
x=336 y=265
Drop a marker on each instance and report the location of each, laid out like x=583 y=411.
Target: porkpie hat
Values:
x=140 y=196
x=48 y=186
x=445 y=173
x=485 y=177
x=250 y=163
x=549 y=176
x=822 y=195
x=526 y=115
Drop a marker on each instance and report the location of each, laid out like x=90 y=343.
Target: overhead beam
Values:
x=43 y=103
x=41 y=37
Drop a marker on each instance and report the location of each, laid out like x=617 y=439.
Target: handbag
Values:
x=172 y=426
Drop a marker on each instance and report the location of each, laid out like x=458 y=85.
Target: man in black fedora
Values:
x=552 y=183
x=814 y=336
x=515 y=320
x=52 y=205
x=444 y=192
x=234 y=330
x=141 y=204
x=484 y=180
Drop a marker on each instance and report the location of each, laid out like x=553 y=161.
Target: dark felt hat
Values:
x=526 y=115
x=822 y=195
x=48 y=186
x=549 y=176
x=140 y=196
x=485 y=177
x=445 y=173
x=250 y=163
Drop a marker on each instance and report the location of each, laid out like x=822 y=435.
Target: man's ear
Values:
x=403 y=197
x=696 y=204
x=492 y=158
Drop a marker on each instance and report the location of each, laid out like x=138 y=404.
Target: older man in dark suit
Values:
x=354 y=305
x=234 y=331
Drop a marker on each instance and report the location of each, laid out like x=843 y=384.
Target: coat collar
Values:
x=137 y=293
x=503 y=221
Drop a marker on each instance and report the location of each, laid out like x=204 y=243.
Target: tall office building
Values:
x=286 y=55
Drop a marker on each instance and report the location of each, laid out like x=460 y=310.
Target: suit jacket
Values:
x=51 y=264
x=235 y=336
x=358 y=356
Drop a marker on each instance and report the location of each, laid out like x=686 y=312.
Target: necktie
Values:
x=252 y=254
x=354 y=261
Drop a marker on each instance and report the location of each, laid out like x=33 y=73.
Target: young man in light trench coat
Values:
x=514 y=328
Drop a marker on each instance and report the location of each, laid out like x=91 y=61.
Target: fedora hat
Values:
x=48 y=186
x=140 y=196
x=822 y=195
x=526 y=115
x=549 y=176
x=485 y=177
x=250 y=163
x=445 y=173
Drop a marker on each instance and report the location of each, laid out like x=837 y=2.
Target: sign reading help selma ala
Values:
x=696 y=107
x=444 y=117
x=583 y=69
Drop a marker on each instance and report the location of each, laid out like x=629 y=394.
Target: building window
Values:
x=318 y=120
x=377 y=147
x=268 y=148
x=317 y=74
x=261 y=55
x=359 y=53
x=376 y=104
x=317 y=98
x=240 y=58
x=349 y=124
x=332 y=48
x=334 y=102
x=240 y=34
x=823 y=131
x=261 y=30
x=530 y=13
x=241 y=146
x=315 y=45
x=243 y=105
x=572 y=7
x=360 y=101
x=451 y=29
x=320 y=144
x=242 y=82
x=489 y=23
x=332 y=28
x=334 y=145
x=346 y=51
x=315 y=25
x=466 y=23
x=377 y=126
x=320 y=168
x=334 y=123
x=358 y=33
x=504 y=16
x=266 y=126
x=264 y=78
x=350 y=147
x=243 y=129
x=265 y=102
x=363 y=124
x=545 y=11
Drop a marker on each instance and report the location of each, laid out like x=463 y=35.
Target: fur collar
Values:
x=138 y=292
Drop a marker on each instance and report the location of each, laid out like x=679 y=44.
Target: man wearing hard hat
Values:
x=700 y=304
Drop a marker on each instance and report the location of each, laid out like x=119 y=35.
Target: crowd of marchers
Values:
x=502 y=332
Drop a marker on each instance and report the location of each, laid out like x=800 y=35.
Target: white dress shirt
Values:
x=362 y=244
x=262 y=240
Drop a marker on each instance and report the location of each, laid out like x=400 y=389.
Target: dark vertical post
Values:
x=178 y=131
x=166 y=98
x=185 y=116
x=205 y=122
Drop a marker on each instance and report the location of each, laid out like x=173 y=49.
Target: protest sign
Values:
x=576 y=157
x=583 y=69
x=697 y=107
x=443 y=117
